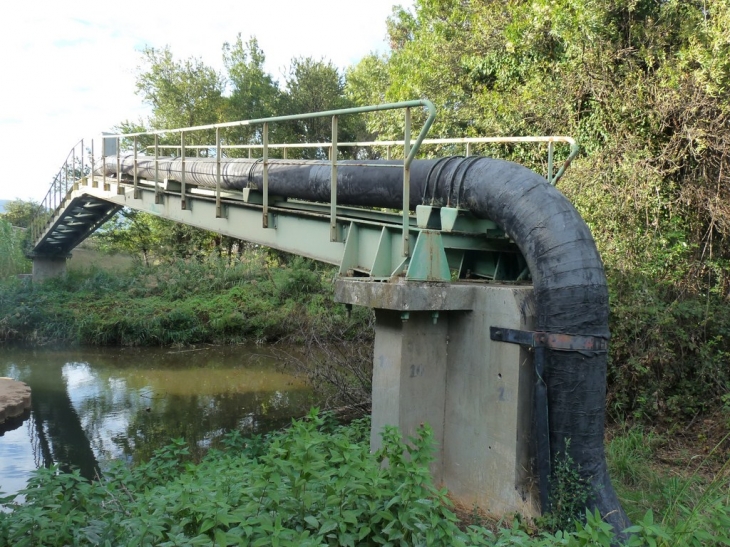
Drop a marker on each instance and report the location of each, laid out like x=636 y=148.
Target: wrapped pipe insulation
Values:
x=567 y=273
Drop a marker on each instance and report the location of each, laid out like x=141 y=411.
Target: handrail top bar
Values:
x=455 y=140
x=291 y=117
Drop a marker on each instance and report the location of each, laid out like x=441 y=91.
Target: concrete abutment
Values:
x=434 y=362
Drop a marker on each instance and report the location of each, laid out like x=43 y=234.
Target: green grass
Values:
x=690 y=501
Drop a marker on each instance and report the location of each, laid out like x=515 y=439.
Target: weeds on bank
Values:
x=185 y=302
x=315 y=483
x=304 y=486
x=689 y=505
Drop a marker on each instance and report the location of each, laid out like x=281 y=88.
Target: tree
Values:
x=153 y=238
x=315 y=86
x=254 y=92
x=182 y=93
x=20 y=213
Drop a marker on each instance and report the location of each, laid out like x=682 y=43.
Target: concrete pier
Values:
x=47 y=267
x=434 y=362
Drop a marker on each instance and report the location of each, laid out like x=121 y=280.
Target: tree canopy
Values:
x=644 y=87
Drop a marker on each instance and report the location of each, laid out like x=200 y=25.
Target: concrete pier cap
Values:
x=434 y=362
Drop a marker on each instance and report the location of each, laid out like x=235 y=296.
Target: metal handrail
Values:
x=553 y=179
x=50 y=204
x=54 y=199
x=296 y=117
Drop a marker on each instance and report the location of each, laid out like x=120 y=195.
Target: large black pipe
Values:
x=569 y=282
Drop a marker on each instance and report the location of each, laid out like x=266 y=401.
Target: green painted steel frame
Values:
x=367 y=243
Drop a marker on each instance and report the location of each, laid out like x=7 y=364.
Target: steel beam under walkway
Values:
x=368 y=242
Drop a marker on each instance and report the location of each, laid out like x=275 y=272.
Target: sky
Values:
x=68 y=68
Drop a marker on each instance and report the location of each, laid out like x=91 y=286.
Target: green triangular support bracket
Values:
x=461 y=220
x=429 y=262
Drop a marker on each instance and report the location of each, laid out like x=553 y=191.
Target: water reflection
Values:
x=89 y=406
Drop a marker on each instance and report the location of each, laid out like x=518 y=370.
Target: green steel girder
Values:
x=445 y=243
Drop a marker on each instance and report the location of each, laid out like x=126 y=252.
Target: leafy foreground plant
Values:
x=314 y=484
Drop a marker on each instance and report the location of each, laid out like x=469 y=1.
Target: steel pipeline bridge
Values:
x=476 y=219
x=233 y=197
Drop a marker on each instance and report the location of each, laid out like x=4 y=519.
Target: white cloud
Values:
x=68 y=67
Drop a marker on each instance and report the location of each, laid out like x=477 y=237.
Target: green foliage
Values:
x=669 y=352
x=569 y=494
x=303 y=487
x=181 y=93
x=20 y=213
x=314 y=86
x=692 y=506
x=644 y=88
x=254 y=91
x=315 y=483
x=180 y=302
x=154 y=239
x=12 y=245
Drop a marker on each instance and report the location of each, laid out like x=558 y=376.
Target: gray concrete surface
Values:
x=47 y=267
x=14 y=398
x=475 y=394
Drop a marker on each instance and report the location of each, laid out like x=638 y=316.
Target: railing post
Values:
x=218 y=212
x=333 y=182
x=468 y=149
x=158 y=196
x=136 y=189
x=265 y=153
x=183 y=198
x=120 y=190
x=406 y=183
x=103 y=163
x=93 y=166
x=551 y=150
x=81 y=168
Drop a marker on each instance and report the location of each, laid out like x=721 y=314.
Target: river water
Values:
x=92 y=405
